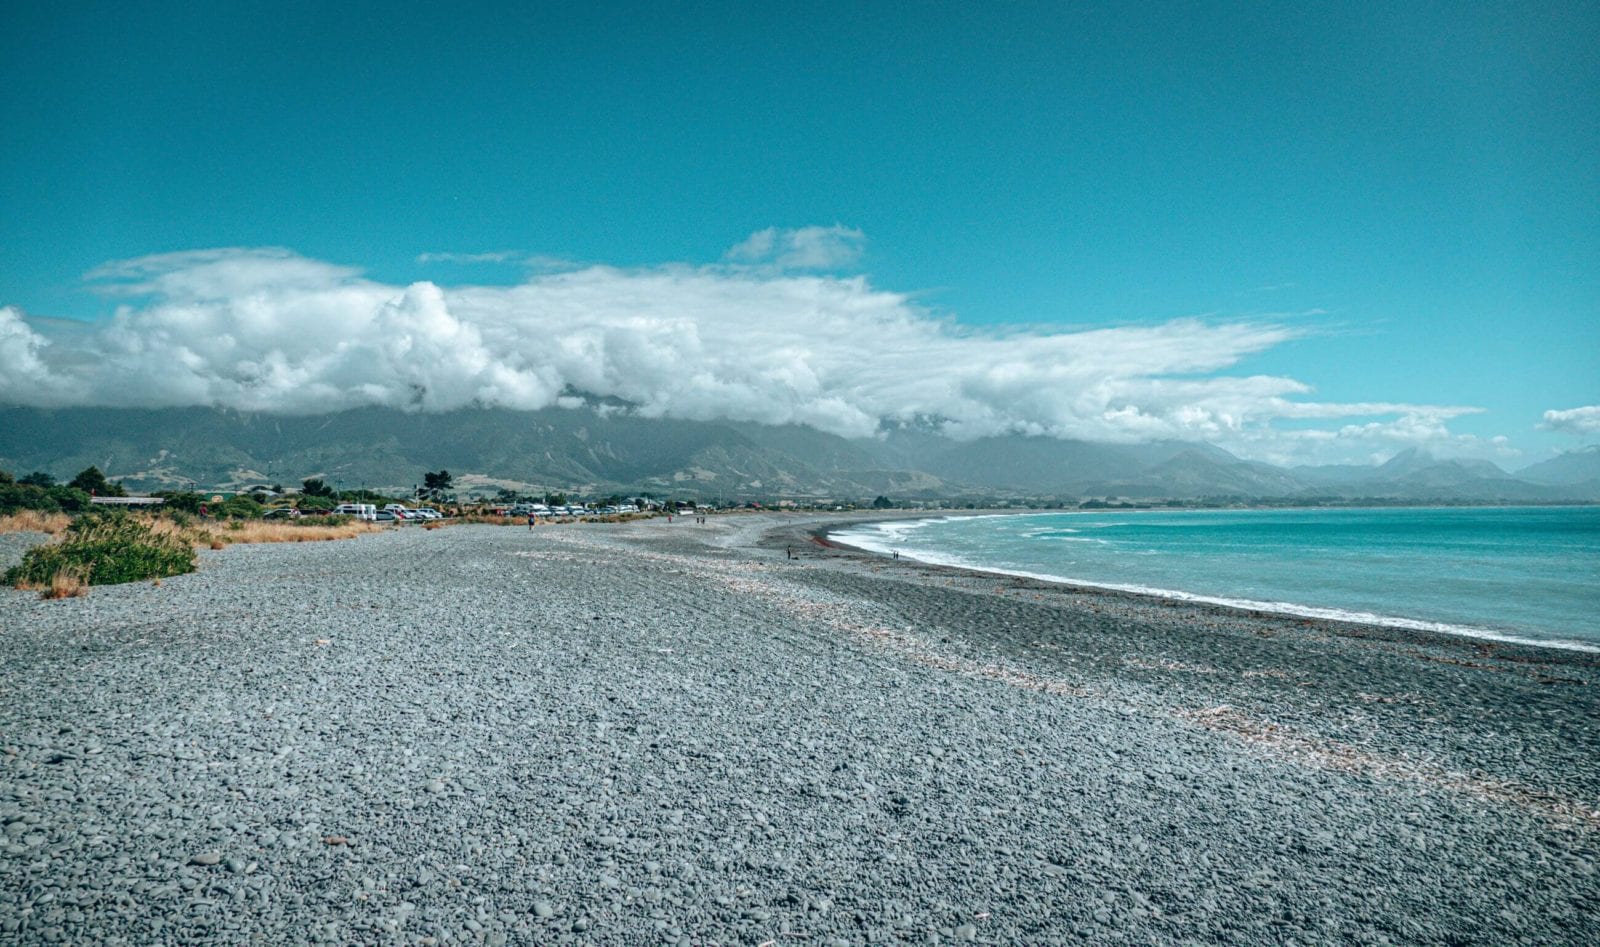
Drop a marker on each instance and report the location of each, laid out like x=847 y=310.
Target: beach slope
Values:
x=675 y=733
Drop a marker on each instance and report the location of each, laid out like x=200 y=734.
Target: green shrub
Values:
x=27 y=496
x=70 y=499
x=21 y=496
x=106 y=550
x=238 y=508
x=184 y=501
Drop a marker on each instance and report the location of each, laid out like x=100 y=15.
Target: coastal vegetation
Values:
x=34 y=521
x=93 y=545
x=276 y=531
x=103 y=549
x=39 y=492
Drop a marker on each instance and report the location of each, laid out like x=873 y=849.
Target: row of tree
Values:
x=40 y=491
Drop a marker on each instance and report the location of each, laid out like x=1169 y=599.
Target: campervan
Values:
x=361 y=511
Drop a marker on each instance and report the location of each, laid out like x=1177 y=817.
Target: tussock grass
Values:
x=34 y=521
x=220 y=535
x=119 y=547
x=66 y=583
x=102 y=550
x=256 y=531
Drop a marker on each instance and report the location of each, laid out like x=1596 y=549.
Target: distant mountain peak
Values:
x=1416 y=460
x=1412 y=458
x=1577 y=466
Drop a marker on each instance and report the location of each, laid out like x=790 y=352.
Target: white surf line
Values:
x=1274 y=741
x=875 y=544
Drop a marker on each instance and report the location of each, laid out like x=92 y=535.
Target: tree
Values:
x=91 y=481
x=883 y=503
x=315 y=487
x=437 y=483
x=39 y=479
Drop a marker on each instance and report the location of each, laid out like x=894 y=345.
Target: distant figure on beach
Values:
x=530 y=522
x=789 y=551
x=897 y=554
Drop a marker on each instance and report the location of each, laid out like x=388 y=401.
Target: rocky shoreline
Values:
x=672 y=733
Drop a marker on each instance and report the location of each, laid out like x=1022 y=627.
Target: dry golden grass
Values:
x=33 y=521
x=256 y=531
x=280 y=532
x=65 y=584
x=220 y=535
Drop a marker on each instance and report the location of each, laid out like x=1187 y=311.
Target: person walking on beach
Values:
x=530 y=522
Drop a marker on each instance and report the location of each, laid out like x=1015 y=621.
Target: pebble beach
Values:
x=674 y=733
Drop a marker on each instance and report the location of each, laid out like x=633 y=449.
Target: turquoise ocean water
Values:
x=1517 y=573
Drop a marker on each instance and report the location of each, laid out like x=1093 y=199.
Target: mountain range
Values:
x=603 y=448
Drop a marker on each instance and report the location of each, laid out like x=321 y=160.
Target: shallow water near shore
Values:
x=1513 y=573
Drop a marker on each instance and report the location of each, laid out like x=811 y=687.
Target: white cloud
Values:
x=24 y=377
x=808 y=248
x=269 y=330
x=498 y=256
x=1578 y=421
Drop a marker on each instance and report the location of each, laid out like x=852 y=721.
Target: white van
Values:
x=361 y=511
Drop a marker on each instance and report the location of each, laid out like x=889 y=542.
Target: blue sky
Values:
x=1411 y=193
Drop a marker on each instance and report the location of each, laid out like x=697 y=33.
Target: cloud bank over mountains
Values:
x=764 y=339
x=1581 y=422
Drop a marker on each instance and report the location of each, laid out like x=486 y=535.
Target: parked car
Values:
x=361 y=511
x=386 y=516
x=281 y=513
